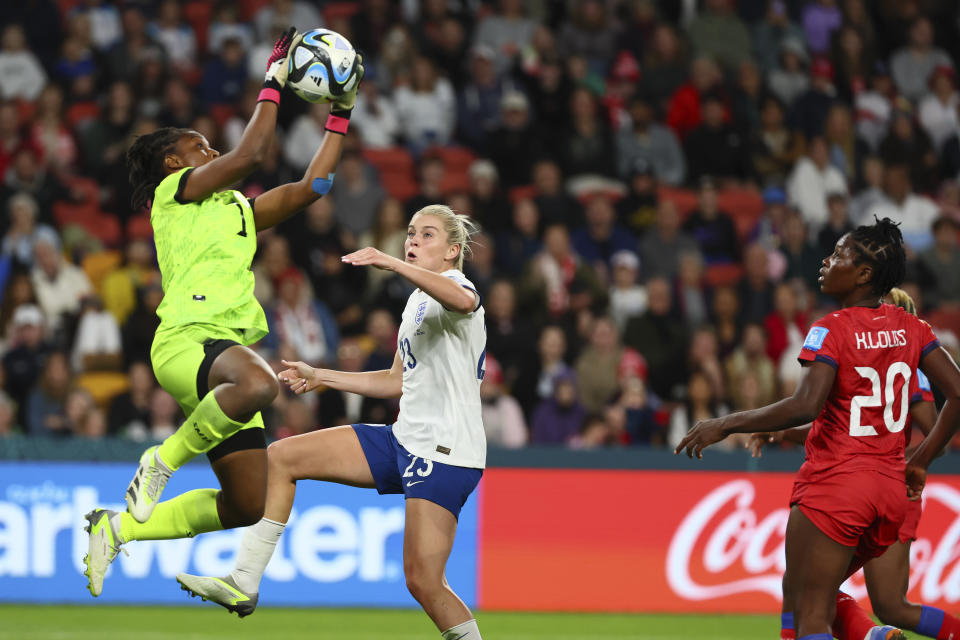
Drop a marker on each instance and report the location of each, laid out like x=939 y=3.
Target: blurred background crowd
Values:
x=657 y=183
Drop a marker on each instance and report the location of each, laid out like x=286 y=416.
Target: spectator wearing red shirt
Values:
x=786 y=324
x=683 y=111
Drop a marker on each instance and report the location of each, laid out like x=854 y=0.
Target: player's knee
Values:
x=420 y=583
x=278 y=458
x=890 y=611
x=260 y=388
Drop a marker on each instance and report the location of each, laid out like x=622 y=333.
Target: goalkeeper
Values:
x=206 y=237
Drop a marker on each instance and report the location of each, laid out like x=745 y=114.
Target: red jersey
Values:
x=875 y=353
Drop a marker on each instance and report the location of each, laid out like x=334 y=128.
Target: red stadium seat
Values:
x=744 y=205
x=719 y=275
x=454 y=181
x=139 y=227
x=396 y=169
x=523 y=192
x=82 y=112
x=456 y=159
x=684 y=200
x=945 y=319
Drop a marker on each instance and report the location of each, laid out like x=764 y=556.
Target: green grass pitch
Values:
x=61 y=622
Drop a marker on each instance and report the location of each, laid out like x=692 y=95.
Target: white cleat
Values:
x=143 y=492
x=104 y=546
x=223 y=591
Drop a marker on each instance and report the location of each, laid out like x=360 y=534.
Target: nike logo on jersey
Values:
x=410 y=484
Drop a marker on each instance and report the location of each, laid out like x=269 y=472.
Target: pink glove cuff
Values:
x=337 y=124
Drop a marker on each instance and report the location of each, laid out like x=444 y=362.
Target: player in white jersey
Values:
x=435 y=452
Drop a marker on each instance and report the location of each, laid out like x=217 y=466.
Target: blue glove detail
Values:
x=322 y=185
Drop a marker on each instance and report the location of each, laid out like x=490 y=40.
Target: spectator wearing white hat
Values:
x=628 y=298
x=59 y=285
x=25 y=353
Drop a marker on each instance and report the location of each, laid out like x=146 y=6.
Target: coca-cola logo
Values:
x=724 y=547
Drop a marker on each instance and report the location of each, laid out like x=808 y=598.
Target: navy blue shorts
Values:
x=396 y=470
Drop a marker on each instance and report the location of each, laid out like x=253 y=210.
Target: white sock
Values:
x=256 y=547
x=466 y=630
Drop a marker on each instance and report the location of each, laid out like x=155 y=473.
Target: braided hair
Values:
x=880 y=245
x=145 y=160
x=902 y=299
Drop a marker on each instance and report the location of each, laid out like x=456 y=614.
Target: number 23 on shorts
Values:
x=422 y=472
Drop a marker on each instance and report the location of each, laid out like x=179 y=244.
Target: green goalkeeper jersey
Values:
x=205 y=250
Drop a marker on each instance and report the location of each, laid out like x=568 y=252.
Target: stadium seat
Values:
x=82 y=112
x=104 y=386
x=454 y=158
x=945 y=319
x=719 y=275
x=395 y=166
x=523 y=192
x=684 y=200
x=139 y=227
x=745 y=206
x=98 y=265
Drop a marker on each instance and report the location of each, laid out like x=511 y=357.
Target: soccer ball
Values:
x=322 y=66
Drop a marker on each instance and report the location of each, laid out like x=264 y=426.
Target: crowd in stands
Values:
x=657 y=182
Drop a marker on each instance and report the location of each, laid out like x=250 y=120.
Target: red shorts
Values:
x=908 y=530
x=860 y=509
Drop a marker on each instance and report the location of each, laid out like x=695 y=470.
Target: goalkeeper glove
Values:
x=277 y=65
x=343 y=106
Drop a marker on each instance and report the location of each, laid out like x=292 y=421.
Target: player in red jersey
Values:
x=849 y=499
x=887 y=576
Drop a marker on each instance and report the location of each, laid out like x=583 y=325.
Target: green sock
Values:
x=203 y=429
x=182 y=517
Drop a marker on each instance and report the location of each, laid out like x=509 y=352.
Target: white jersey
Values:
x=443 y=356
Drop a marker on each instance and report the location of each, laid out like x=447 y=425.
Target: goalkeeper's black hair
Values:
x=145 y=162
x=880 y=245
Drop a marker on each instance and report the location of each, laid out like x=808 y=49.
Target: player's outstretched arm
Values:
x=800 y=408
x=302 y=378
x=276 y=205
x=237 y=164
x=448 y=293
x=944 y=374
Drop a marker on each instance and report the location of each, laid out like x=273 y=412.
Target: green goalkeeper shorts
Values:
x=182 y=357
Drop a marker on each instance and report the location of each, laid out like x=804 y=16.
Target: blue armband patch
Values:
x=322 y=185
